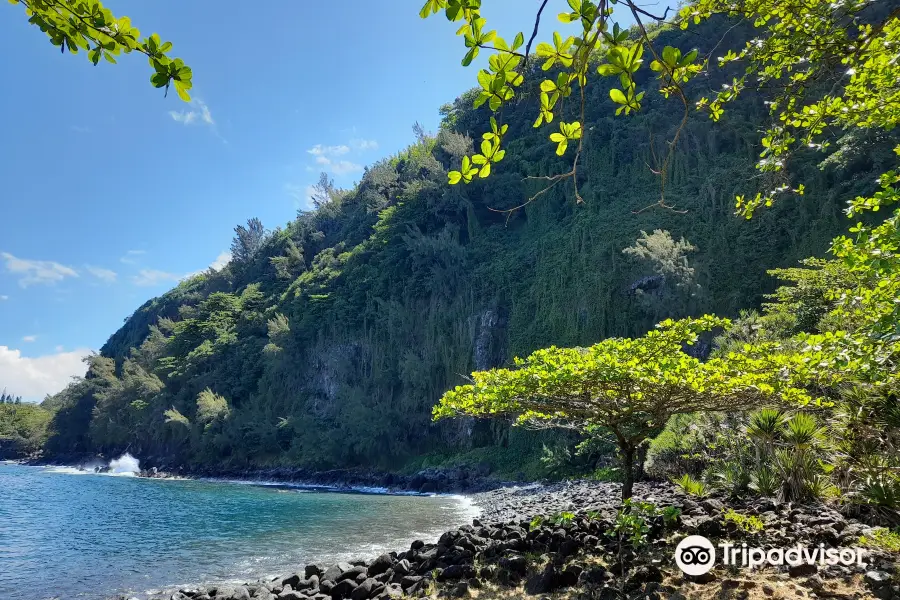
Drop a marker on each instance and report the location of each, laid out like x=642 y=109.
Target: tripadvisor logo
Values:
x=696 y=555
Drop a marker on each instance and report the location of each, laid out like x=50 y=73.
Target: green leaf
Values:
x=431 y=7
x=453 y=177
x=485 y=170
x=563 y=146
x=182 y=91
x=671 y=55
x=520 y=39
x=470 y=56
x=617 y=96
x=159 y=80
x=607 y=69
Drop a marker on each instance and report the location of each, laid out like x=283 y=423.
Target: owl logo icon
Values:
x=695 y=555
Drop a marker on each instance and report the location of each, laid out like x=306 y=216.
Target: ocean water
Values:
x=67 y=534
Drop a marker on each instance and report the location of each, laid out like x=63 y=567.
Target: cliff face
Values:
x=331 y=341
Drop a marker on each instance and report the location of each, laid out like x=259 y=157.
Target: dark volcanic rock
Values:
x=380 y=565
x=343 y=588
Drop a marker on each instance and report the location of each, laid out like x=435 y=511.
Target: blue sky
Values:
x=111 y=193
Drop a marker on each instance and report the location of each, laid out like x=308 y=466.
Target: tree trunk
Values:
x=641 y=461
x=627 y=452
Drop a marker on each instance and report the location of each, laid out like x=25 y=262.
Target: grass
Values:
x=882 y=538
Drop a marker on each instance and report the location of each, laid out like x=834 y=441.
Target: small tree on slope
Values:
x=630 y=387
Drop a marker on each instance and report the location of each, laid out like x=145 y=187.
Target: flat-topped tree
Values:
x=629 y=387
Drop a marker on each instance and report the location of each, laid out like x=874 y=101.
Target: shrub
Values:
x=764 y=481
x=732 y=476
x=691 y=486
x=606 y=474
x=746 y=523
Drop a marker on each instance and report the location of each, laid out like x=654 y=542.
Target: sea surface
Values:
x=66 y=533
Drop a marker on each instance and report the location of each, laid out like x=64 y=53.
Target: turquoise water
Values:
x=67 y=535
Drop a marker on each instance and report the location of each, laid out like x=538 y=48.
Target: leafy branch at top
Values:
x=574 y=57
x=88 y=25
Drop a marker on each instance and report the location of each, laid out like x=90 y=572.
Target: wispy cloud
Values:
x=35 y=377
x=32 y=272
x=329 y=158
x=338 y=167
x=30 y=338
x=80 y=129
x=200 y=113
x=363 y=145
x=105 y=275
x=4 y=297
x=151 y=277
x=320 y=150
x=131 y=257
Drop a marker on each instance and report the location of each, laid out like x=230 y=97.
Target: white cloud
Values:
x=4 y=298
x=338 y=167
x=30 y=338
x=327 y=157
x=202 y=114
x=320 y=150
x=363 y=145
x=80 y=129
x=130 y=257
x=221 y=260
x=35 y=377
x=149 y=277
x=36 y=271
x=59 y=348
x=105 y=275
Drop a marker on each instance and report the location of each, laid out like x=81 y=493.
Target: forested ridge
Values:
x=327 y=342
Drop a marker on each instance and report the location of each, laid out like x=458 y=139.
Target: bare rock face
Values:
x=487 y=340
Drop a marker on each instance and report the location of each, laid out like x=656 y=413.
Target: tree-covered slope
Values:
x=328 y=341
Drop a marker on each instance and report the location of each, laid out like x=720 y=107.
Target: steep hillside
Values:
x=326 y=342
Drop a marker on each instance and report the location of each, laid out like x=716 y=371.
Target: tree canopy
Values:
x=631 y=387
x=825 y=66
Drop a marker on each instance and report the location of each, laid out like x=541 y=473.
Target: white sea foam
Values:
x=124 y=466
x=68 y=470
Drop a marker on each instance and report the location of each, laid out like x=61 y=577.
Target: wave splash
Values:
x=124 y=466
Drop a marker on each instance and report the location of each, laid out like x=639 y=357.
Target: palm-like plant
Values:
x=765 y=429
x=802 y=432
x=764 y=480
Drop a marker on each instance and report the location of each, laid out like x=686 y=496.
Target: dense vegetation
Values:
x=327 y=342
x=23 y=426
x=823 y=356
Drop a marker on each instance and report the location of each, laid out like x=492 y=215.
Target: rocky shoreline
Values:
x=505 y=554
x=431 y=480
